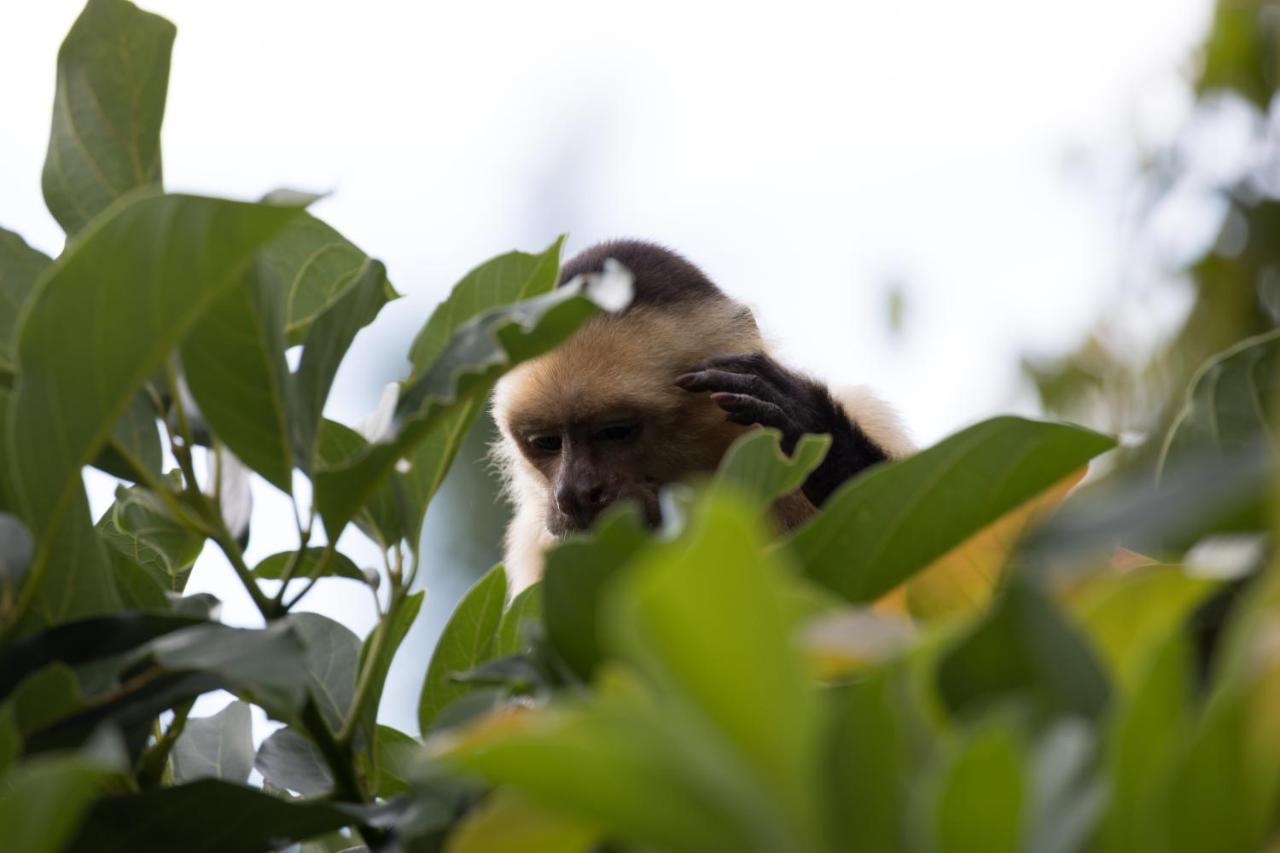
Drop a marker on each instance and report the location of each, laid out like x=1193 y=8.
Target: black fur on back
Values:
x=662 y=277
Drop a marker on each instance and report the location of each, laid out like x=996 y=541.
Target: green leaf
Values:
x=10 y=736
x=866 y=767
x=138 y=526
x=312 y=266
x=381 y=514
x=113 y=73
x=326 y=344
x=42 y=801
x=209 y=816
x=217 y=747
x=1024 y=648
x=506 y=823
x=981 y=794
x=756 y=465
x=332 y=661
x=500 y=281
x=525 y=607
x=49 y=695
x=234 y=363
x=16 y=548
x=398 y=623
x=881 y=528
x=395 y=751
x=479 y=352
x=706 y=619
x=337 y=565
x=127 y=300
x=287 y=759
x=1239 y=53
x=467 y=640
x=133 y=451
x=20 y=266
x=1230 y=404
x=577 y=573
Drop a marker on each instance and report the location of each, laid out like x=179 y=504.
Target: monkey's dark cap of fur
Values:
x=662 y=277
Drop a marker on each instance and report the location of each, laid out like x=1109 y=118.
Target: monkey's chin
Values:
x=561 y=527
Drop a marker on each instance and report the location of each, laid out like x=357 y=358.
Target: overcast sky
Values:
x=809 y=156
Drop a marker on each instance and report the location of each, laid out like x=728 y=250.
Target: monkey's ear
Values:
x=745 y=317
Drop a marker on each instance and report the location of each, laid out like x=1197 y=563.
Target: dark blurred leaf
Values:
x=113 y=73
x=16 y=548
x=1241 y=52
x=20 y=266
x=1024 y=649
x=326 y=344
x=525 y=607
x=1066 y=798
x=209 y=816
x=467 y=640
x=234 y=364
x=577 y=573
x=84 y=640
x=332 y=661
x=43 y=800
x=880 y=528
x=396 y=752
x=127 y=304
x=217 y=747
x=507 y=823
x=287 y=759
x=48 y=695
x=480 y=351
x=337 y=565
x=138 y=525
x=10 y=736
x=756 y=465
x=1230 y=405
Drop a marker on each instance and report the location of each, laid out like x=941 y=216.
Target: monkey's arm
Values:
x=752 y=388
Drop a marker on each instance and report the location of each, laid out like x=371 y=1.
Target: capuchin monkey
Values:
x=655 y=394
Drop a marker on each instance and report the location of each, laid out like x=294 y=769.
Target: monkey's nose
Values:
x=581 y=504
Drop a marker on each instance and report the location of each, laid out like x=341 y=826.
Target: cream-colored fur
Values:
x=632 y=359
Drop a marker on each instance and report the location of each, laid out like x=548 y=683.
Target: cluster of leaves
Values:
x=936 y=661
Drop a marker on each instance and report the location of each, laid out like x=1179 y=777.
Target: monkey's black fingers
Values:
x=724 y=381
x=746 y=410
x=756 y=363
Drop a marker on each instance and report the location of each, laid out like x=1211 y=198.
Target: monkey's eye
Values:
x=546 y=443
x=618 y=432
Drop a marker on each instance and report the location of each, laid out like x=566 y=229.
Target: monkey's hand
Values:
x=752 y=388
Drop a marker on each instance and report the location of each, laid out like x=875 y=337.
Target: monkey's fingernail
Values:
x=724 y=397
x=684 y=380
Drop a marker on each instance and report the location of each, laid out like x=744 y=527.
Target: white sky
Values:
x=804 y=154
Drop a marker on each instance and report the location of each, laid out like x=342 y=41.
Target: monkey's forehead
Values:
x=620 y=362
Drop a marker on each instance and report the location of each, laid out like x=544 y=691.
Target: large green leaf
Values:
x=133 y=452
x=217 y=747
x=309 y=565
x=756 y=465
x=1230 y=404
x=20 y=266
x=380 y=518
x=287 y=759
x=16 y=550
x=235 y=367
x=981 y=795
x=1024 y=648
x=113 y=73
x=395 y=752
x=397 y=623
x=466 y=641
x=332 y=661
x=706 y=618
x=881 y=528
x=479 y=352
x=577 y=573
x=126 y=291
x=525 y=608
x=138 y=525
x=208 y=816
x=42 y=801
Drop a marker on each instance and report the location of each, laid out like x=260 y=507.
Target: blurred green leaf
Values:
x=208 y=816
x=46 y=696
x=43 y=800
x=138 y=525
x=467 y=640
x=113 y=74
x=525 y=607
x=1230 y=404
x=216 y=747
x=507 y=823
x=706 y=619
x=1242 y=50
x=20 y=266
x=1024 y=648
x=128 y=303
x=395 y=751
x=981 y=794
x=337 y=565
x=480 y=351
x=287 y=759
x=234 y=364
x=756 y=465
x=398 y=624
x=16 y=549
x=880 y=528
x=576 y=575
x=133 y=452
